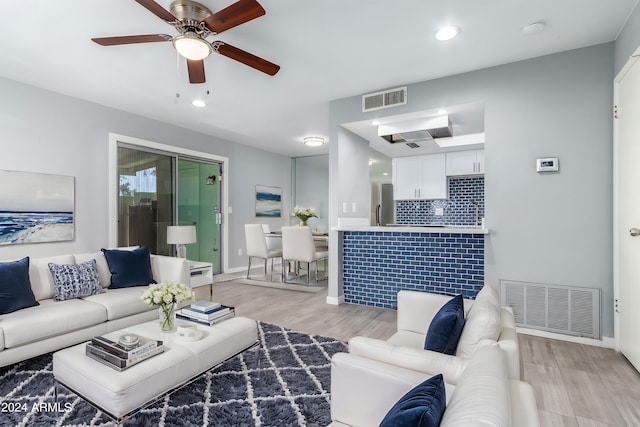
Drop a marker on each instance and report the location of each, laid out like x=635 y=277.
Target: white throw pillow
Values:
x=482 y=324
x=488 y=294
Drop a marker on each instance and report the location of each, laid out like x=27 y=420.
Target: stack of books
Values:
x=121 y=357
x=206 y=312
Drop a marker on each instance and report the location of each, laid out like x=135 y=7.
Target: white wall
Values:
x=553 y=228
x=353 y=175
x=312 y=188
x=42 y=131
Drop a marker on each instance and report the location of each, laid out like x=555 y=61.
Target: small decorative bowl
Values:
x=129 y=340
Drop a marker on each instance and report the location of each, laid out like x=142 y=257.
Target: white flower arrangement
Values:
x=166 y=294
x=303 y=214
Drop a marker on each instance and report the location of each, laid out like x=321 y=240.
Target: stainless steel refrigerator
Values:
x=385 y=206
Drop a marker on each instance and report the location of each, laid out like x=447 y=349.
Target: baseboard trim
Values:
x=335 y=301
x=241 y=272
x=606 y=342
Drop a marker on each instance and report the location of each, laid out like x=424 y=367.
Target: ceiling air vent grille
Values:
x=412 y=145
x=384 y=99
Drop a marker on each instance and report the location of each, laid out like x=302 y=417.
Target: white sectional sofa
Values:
x=53 y=325
x=364 y=390
x=485 y=322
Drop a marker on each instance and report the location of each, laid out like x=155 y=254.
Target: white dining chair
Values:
x=274 y=242
x=257 y=246
x=298 y=246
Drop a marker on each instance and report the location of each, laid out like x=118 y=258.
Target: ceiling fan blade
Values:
x=157 y=10
x=246 y=58
x=236 y=14
x=196 y=71
x=142 y=38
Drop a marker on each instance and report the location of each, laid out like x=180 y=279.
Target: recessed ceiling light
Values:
x=533 y=28
x=199 y=103
x=385 y=173
x=447 y=33
x=313 y=141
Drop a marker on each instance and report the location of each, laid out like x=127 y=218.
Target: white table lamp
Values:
x=181 y=235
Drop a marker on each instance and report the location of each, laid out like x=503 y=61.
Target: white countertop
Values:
x=452 y=229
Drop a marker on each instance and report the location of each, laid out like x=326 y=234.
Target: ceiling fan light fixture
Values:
x=313 y=141
x=191 y=46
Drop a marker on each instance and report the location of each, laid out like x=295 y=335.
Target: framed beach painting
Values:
x=36 y=207
x=268 y=201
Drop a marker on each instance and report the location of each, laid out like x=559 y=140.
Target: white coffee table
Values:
x=122 y=394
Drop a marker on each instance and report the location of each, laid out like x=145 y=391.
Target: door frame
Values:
x=115 y=138
x=616 y=196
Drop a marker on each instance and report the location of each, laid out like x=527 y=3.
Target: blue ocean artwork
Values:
x=33 y=227
x=36 y=207
x=268 y=202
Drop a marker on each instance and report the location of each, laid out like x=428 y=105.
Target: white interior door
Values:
x=627 y=213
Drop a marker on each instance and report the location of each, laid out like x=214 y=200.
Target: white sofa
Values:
x=364 y=390
x=486 y=323
x=53 y=325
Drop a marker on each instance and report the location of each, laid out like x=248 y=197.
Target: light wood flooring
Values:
x=575 y=384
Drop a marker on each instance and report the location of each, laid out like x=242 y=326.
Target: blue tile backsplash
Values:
x=376 y=265
x=458 y=210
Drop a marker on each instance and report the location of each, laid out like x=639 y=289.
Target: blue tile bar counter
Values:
x=380 y=261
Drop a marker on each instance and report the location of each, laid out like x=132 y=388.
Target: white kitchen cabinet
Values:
x=405 y=178
x=433 y=177
x=465 y=162
x=420 y=177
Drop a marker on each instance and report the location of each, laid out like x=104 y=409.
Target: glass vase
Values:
x=167 y=317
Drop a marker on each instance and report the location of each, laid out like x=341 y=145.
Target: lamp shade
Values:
x=181 y=234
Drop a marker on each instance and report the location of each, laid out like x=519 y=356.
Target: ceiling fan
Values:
x=195 y=23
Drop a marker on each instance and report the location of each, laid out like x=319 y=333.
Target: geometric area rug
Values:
x=288 y=387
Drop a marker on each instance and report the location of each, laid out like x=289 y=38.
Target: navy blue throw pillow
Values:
x=129 y=268
x=422 y=406
x=446 y=327
x=15 y=286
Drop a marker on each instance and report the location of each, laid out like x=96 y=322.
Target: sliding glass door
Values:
x=145 y=199
x=157 y=189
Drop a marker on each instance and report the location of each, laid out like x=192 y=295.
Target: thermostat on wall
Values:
x=547 y=164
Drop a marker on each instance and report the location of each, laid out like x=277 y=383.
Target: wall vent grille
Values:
x=554 y=308
x=385 y=99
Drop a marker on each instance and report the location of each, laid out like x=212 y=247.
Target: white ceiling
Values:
x=327 y=49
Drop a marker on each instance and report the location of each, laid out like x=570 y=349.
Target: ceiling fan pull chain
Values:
x=177 y=79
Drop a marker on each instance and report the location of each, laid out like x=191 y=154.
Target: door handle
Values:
x=634 y=232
